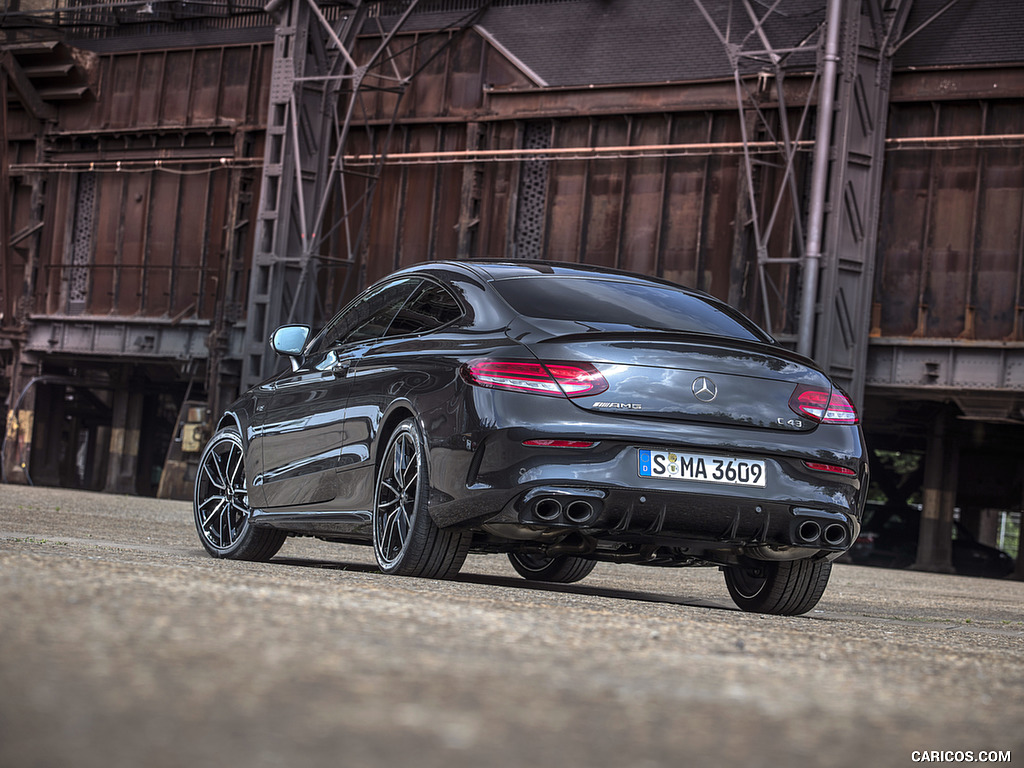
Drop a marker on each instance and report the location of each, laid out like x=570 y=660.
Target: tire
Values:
x=781 y=588
x=221 y=504
x=406 y=541
x=561 y=569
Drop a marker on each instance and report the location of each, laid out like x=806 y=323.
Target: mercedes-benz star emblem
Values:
x=704 y=389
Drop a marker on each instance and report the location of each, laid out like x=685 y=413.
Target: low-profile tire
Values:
x=786 y=588
x=221 y=504
x=561 y=569
x=406 y=541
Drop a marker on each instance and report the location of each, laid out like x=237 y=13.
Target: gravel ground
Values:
x=123 y=644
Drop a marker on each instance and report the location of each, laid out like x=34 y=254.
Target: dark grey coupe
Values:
x=560 y=414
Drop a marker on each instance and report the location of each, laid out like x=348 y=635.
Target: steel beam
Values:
x=855 y=180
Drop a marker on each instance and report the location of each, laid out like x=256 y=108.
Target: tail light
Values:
x=551 y=379
x=833 y=468
x=825 y=407
x=559 y=443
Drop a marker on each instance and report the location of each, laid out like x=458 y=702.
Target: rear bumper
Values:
x=598 y=491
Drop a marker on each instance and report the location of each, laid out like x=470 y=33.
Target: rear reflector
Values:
x=551 y=379
x=833 y=468
x=822 y=406
x=560 y=443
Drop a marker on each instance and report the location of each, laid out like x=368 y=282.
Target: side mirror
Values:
x=289 y=340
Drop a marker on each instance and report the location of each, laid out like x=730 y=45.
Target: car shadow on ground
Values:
x=517 y=583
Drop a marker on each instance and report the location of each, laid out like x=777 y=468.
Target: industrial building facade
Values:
x=152 y=233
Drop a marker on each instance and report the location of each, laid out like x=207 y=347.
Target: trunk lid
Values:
x=690 y=377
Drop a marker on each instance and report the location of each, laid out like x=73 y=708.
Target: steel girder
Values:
x=836 y=220
x=314 y=95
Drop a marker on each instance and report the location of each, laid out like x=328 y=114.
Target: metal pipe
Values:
x=819 y=180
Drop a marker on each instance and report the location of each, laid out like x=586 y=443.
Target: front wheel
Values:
x=560 y=569
x=786 y=588
x=221 y=504
x=406 y=541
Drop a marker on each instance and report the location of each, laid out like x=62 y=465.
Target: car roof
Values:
x=488 y=269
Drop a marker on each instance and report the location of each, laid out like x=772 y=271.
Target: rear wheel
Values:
x=786 y=588
x=406 y=540
x=562 y=569
x=221 y=504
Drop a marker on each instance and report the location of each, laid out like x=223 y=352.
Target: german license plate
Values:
x=702 y=468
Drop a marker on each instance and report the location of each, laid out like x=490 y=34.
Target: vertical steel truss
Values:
x=318 y=92
x=835 y=223
x=315 y=91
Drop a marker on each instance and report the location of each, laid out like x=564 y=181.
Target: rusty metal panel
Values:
x=132 y=253
x=109 y=196
x=497 y=195
x=997 y=279
x=149 y=97
x=906 y=195
x=159 y=277
x=426 y=92
x=236 y=73
x=722 y=196
x=419 y=193
x=603 y=216
x=499 y=73
x=567 y=188
x=49 y=286
x=686 y=186
x=176 y=88
x=213 y=267
x=449 y=196
x=194 y=237
x=644 y=201
x=121 y=91
x=205 y=87
x=949 y=246
x=465 y=90
x=381 y=255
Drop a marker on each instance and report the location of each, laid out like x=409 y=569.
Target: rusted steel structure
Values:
x=179 y=178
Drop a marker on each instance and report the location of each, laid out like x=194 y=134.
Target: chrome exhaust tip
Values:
x=835 y=535
x=547 y=509
x=808 y=531
x=579 y=511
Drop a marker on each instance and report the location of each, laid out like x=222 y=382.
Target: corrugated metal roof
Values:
x=600 y=42
x=603 y=42
x=970 y=33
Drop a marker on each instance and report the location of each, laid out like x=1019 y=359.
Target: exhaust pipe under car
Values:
x=567 y=509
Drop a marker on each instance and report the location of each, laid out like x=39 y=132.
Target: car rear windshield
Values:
x=618 y=302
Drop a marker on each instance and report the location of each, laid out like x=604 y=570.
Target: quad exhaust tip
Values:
x=573 y=511
x=811 y=532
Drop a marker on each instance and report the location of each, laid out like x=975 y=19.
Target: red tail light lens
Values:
x=834 y=468
x=551 y=379
x=822 y=406
x=559 y=443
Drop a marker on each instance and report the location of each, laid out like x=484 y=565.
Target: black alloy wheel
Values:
x=221 y=504
x=406 y=541
x=560 y=569
x=786 y=588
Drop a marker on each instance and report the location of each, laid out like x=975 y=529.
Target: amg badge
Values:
x=626 y=406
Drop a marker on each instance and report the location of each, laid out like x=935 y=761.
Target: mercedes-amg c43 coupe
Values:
x=559 y=414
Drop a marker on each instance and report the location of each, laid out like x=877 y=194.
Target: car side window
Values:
x=367 y=318
x=430 y=307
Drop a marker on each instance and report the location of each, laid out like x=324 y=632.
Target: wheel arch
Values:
x=397 y=412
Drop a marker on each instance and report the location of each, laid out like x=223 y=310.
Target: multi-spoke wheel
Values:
x=786 y=588
x=563 y=569
x=406 y=540
x=221 y=504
